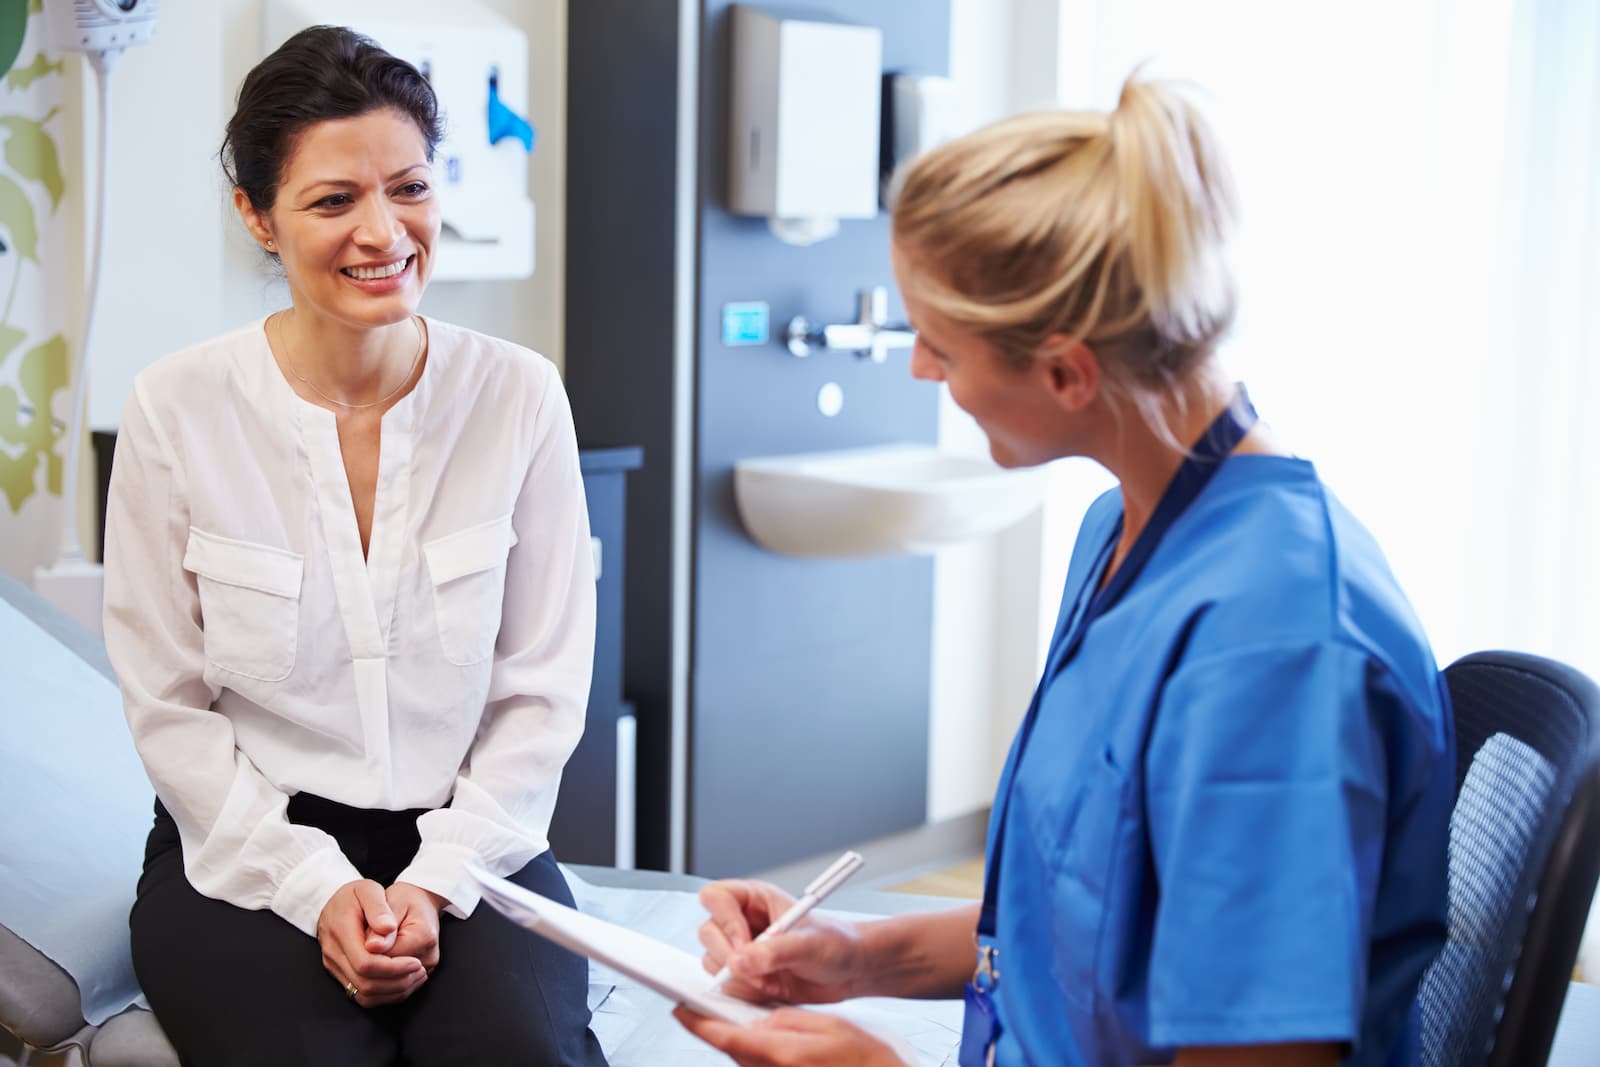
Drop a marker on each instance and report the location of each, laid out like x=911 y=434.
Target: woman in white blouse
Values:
x=350 y=600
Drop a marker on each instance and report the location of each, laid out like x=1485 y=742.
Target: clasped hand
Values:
x=382 y=943
x=818 y=961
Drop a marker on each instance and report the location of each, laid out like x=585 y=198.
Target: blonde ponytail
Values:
x=1111 y=229
x=1179 y=199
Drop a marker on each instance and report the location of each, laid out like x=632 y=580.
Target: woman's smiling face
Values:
x=355 y=220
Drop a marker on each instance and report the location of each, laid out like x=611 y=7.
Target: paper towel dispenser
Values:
x=477 y=63
x=804 y=121
x=920 y=113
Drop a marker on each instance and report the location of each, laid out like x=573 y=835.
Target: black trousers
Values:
x=233 y=987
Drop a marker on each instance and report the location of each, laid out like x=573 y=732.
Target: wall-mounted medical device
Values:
x=805 y=102
x=96 y=25
x=477 y=63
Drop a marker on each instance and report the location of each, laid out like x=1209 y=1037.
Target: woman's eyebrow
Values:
x=347 y=183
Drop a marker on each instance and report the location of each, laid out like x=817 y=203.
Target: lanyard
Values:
x=1204 y=460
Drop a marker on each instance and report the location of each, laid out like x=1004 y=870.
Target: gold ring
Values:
x=350 y=990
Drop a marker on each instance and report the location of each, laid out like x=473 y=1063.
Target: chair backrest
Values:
x=1524 y=858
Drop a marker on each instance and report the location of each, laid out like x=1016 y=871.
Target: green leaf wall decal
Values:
x=13 y=28
x=16 y=475
x=16 y=472
x=12 y=432
x=10 y=338
x=31 y=155
x=31 y=151
x=16 y=217
x=44 y=370
x=22 y=77
x=42 y=375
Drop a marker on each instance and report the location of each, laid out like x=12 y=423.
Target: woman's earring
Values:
x=270 y=246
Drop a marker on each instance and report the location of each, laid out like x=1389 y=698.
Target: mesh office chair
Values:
x=1524 y=858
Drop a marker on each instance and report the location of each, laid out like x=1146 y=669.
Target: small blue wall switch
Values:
x=744 y=323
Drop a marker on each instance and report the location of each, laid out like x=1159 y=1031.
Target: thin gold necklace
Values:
x=344 y=403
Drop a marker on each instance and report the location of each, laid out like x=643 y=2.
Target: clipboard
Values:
x=656 y=965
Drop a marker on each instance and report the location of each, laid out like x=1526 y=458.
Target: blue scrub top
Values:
x=1229 y=825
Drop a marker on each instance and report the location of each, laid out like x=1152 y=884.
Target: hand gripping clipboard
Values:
x=654 y=964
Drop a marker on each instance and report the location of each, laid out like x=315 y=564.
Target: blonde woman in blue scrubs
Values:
x=1220 y=835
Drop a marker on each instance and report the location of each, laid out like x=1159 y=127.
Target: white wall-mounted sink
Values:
x=880 y=500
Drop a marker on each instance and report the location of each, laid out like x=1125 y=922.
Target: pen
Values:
x=823 y=884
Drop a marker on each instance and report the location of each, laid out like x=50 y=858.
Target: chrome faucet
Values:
x=869 y=336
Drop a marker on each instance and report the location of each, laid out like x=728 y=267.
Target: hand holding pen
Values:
x=732 y=903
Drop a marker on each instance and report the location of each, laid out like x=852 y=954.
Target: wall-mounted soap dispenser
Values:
x=804 y=111
x=477 y=62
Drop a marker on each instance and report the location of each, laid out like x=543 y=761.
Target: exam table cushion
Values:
x=70 y=854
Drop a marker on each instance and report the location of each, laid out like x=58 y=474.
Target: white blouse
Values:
x=260 y=655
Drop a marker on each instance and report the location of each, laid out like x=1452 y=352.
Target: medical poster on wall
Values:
x=34 y=277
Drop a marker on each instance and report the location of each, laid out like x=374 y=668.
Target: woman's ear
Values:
x=1070 y=370
x=253 y=220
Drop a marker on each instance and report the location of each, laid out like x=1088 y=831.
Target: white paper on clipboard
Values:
x=654 y=964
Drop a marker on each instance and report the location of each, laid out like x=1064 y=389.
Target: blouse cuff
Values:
x=442 y=868
x=306 y=890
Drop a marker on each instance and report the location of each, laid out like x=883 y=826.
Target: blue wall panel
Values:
x=810 y=678
x=808 y=689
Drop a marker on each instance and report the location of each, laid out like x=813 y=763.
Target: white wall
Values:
x=161 y=277
x=178 y=266
x=1402 y=319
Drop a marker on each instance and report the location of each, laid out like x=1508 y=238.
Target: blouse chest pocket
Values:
x=468 y=571
x=249 y=604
